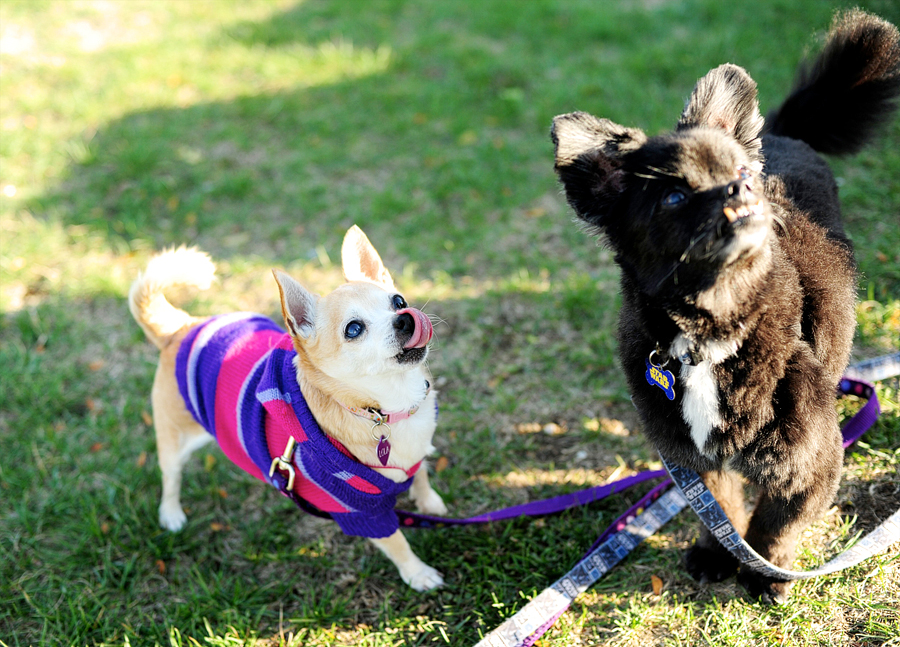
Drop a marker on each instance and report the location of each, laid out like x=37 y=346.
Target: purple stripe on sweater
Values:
x=214 y=328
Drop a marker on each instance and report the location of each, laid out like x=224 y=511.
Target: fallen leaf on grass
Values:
x=441 y=464
x=96 y=447
x=161 y=566
x=657 y=584
x=142 y=459
x=147 y=418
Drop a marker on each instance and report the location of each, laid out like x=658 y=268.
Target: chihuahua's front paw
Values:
x=172 y=517
x=431 y=503
x=423 y=579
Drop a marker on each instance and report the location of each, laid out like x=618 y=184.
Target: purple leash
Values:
x=533 y=508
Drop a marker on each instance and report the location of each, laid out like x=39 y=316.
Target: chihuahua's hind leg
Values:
x=413 y=570
x=177 y=436
x=427 y=500
x=179 y=444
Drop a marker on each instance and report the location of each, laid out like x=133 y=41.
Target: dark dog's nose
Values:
x=404 y=324
x=739 y=191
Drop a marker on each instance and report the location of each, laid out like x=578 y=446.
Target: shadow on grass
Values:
x=80 y=458
x=444 y=160
x=426 y=157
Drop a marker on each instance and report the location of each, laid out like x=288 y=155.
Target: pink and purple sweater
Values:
x=237 y=376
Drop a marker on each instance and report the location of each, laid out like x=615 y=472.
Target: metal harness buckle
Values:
x=283 y=463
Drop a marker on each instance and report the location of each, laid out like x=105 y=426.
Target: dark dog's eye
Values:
x=673 y=198
x=398 y=302
x=354 y=329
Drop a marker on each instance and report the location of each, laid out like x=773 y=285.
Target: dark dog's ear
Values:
x=589 y=159
x=726 y=98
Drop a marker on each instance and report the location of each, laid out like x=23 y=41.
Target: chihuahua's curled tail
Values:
x=841 y=98
x=158 y=318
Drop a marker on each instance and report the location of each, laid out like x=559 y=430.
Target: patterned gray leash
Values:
x=540 y=613
x=709 y=511
x=556 y=598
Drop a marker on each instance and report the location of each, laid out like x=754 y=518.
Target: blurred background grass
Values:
x=261 y=130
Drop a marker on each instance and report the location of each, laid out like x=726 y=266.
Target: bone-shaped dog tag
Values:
x=658 y=376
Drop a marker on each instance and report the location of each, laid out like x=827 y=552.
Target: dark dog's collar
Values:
x=691 y=357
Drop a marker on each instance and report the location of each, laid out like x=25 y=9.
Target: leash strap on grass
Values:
x=712 y=515
x=533 y=508
x=534 y=619
x=536 y=616
x=877 y=368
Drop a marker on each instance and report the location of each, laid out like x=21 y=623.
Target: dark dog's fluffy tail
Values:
x=842 y=97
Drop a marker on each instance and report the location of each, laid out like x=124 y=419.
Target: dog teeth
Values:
x=733 y=215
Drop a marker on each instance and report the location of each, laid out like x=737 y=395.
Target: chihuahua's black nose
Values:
x=405 y=324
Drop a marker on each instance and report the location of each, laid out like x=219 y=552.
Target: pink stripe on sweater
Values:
x=237 y=367
x=282 y=422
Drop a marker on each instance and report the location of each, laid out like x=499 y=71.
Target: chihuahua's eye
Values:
x=673 y=198
x=354 y=329
x=743 y=172
x=398 y=302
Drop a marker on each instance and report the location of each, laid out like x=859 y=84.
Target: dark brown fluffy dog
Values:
x=737 y=275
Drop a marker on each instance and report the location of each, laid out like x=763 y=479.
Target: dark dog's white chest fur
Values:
x=700 y=403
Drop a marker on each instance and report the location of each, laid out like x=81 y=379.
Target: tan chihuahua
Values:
x=338 y=413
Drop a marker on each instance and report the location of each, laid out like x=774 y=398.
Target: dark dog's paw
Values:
x=765 y=589
x=709 y=564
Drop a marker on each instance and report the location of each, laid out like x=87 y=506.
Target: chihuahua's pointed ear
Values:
x=726 y=98
x=361 y=262
x=298 y=306
x=589 y=161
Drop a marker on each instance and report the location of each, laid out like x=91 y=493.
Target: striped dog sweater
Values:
x=238 y=378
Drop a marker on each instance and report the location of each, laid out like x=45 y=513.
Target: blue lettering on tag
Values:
x=658 y=376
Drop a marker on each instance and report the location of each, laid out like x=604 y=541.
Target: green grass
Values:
x=261 y=130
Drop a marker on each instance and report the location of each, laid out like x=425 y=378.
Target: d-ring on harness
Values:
x=285 y=463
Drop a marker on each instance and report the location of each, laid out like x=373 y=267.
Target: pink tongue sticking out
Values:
x=423 y=329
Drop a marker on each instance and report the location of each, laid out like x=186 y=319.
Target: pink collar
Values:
x=380 y=417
